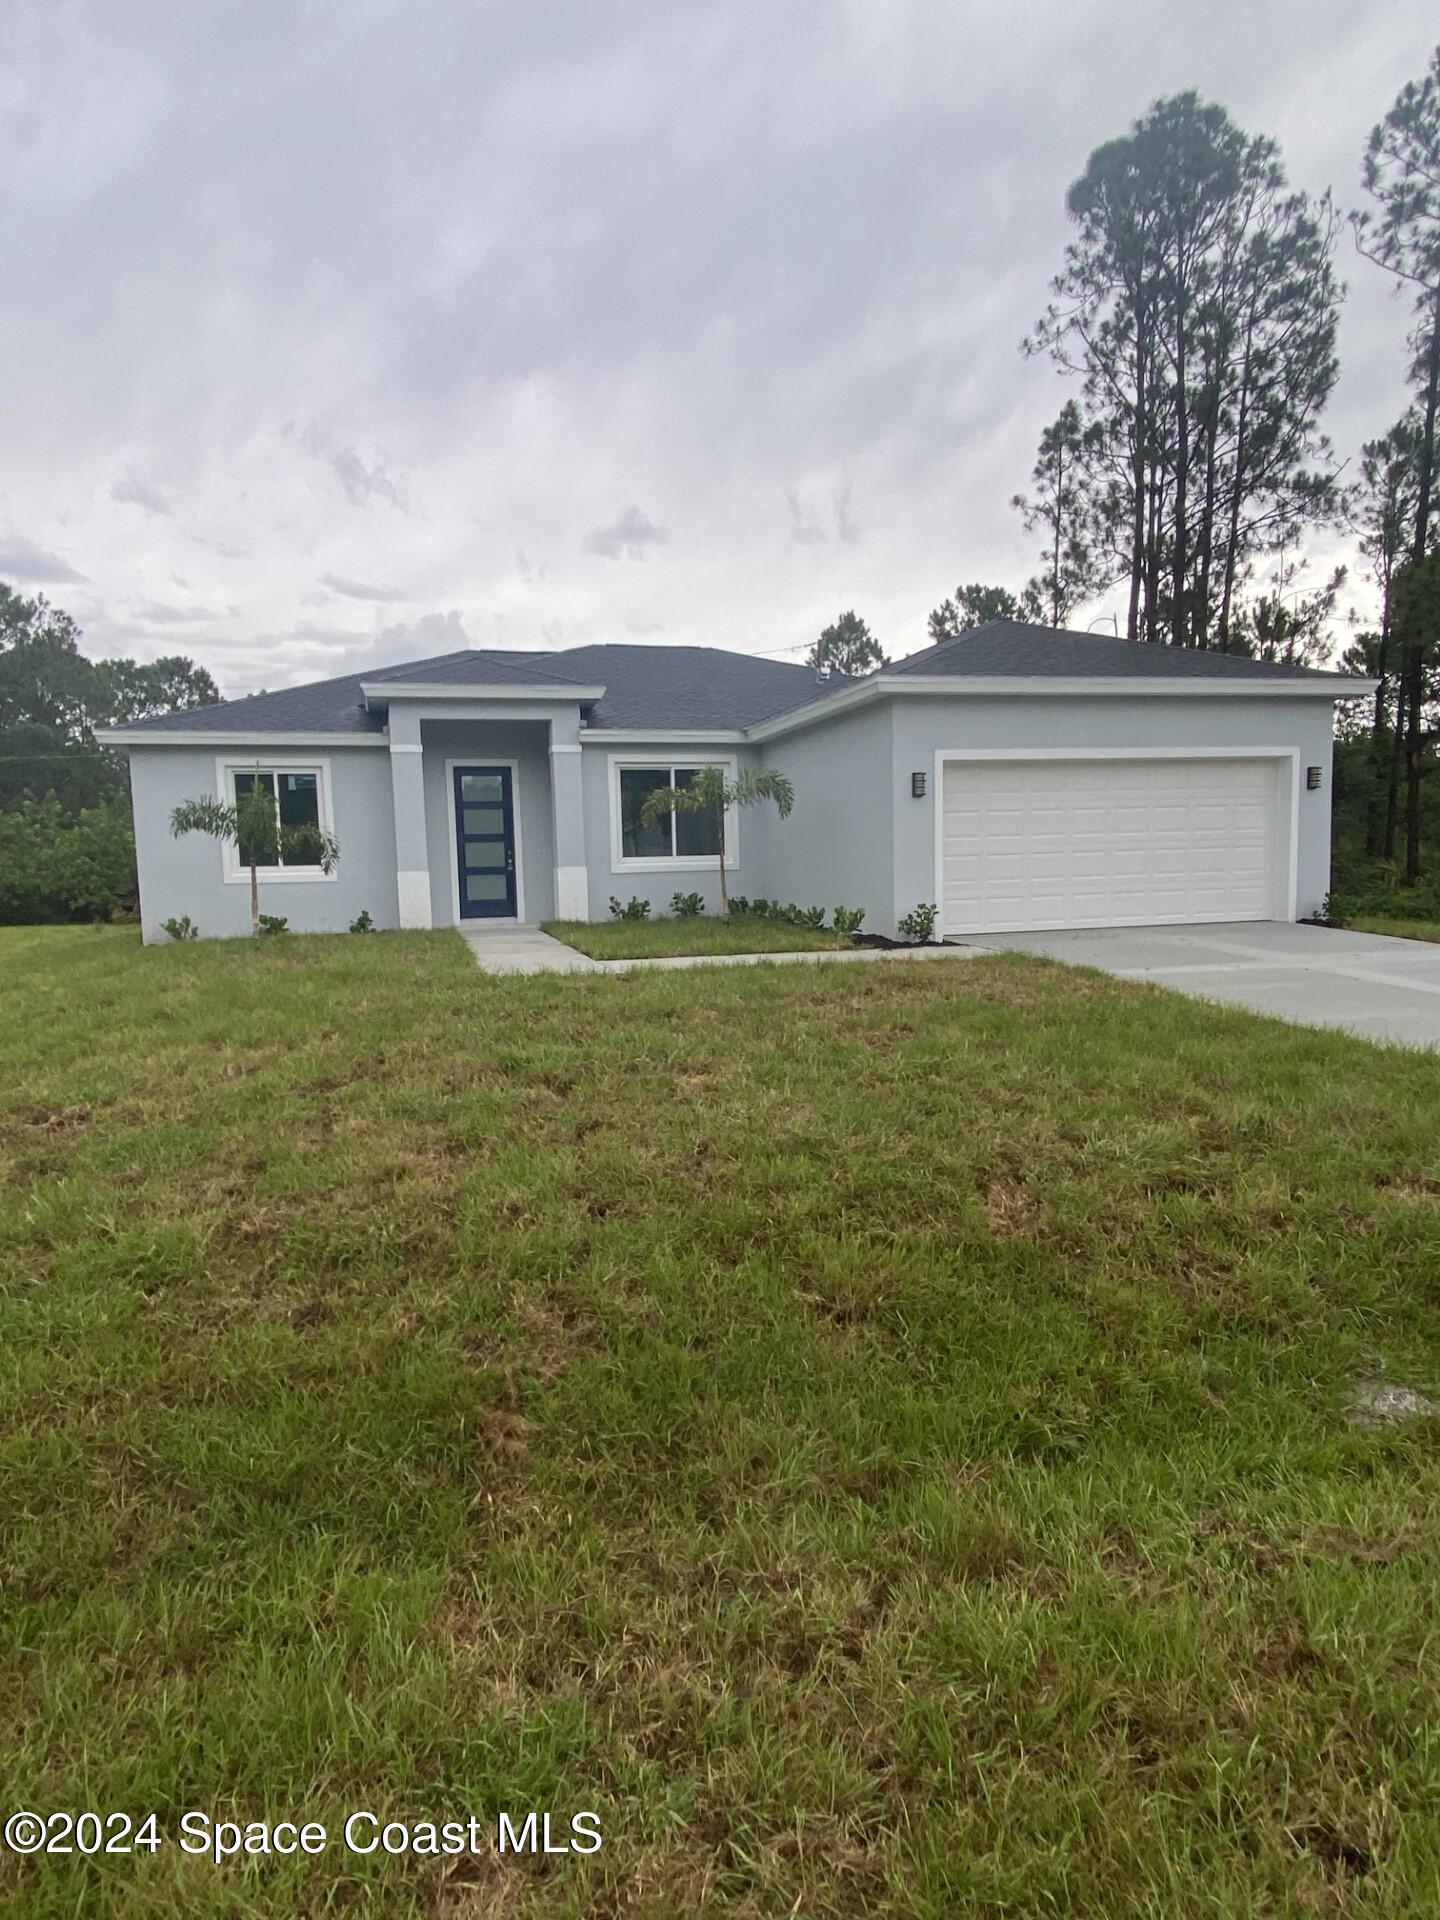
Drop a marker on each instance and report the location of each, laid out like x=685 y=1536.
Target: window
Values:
x=655 y=842
x=300 y=798
x=675 y=839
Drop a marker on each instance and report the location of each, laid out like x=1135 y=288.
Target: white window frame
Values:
x=226 y=767
x=621 y=862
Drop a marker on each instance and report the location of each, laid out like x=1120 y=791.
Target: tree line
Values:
x=1194 y=314
x=67 y=848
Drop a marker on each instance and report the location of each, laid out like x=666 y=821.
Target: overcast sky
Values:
x=340 y=333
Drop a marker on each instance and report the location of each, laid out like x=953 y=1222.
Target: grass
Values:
x=700 y=933
x=877 y=1436
x=1401 y=929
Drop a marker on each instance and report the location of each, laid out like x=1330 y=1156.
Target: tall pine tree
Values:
x=1197 y=307
x=1402 y=234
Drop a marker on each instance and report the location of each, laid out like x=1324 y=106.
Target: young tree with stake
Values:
x=713 y=795
x=253 y=824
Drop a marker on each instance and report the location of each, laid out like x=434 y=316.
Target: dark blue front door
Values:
x=485 y=842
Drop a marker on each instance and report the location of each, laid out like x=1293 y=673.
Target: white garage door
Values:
x=1035 y=844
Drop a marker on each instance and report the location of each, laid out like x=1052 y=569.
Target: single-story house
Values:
x=1020 y=777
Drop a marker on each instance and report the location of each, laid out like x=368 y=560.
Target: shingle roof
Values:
x=1015 y=648
x=692 y=689
x=478 y=667
x=322 y=706
x=687 y=688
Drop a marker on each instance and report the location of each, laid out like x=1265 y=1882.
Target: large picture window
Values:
x=675 y=839
x=301 y=800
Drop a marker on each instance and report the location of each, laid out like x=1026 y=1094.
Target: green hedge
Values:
x=59 y=865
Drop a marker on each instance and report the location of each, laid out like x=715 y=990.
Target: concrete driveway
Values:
x=1382 y=988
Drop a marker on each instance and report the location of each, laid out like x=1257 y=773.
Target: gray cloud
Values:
x=32 y=565
x=804 y=532
x=846 y=530
x=131 y=490
x=363 y=483
x=359 y=589
x=627 y=537
x=224 y=549
x=413 y=328
x=159 y=613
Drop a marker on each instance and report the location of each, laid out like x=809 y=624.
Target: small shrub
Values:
x=362 y=923
x=918 y=926
x=685 y=906
x=180 y=928
x=847 y=920
x=273 y=923
x=633 y=909
x=739 y=904
x=762 y=908
x=813 y=917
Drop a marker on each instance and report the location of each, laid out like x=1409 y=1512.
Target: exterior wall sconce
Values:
x=1312 y=779
x=917 y=786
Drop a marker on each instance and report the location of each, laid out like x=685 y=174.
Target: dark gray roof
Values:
x=477 y=667
x=691 y=689
x=323 y=706
x=687 y=688
x=1015 y=648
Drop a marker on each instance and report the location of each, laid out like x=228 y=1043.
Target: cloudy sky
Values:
x=342 y=332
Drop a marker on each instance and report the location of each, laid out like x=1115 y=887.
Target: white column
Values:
x=567 y=806
x=407 y=786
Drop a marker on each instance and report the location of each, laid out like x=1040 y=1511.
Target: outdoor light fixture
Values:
x=1312 y=778
x=917 y=786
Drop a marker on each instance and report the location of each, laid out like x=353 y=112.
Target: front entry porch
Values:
x=489 y=826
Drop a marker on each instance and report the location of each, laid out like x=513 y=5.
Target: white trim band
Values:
x=383 y=691
x=194 y=737
x=1331 y=687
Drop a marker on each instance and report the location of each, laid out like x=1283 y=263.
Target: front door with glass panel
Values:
x=485 y=842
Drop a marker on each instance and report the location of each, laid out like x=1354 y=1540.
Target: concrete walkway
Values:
x=524 y=950
x=1366 y=983
x=528 y=950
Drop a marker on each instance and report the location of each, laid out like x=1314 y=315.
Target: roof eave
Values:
x=661 y=736
x=1337 y=686
x=121 y=738
x=382 y=692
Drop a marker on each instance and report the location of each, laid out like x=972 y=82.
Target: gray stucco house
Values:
x=1022 y=778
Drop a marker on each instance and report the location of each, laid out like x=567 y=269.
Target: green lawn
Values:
x=1401 y=929
x=701 y=933
x=875 y=1434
